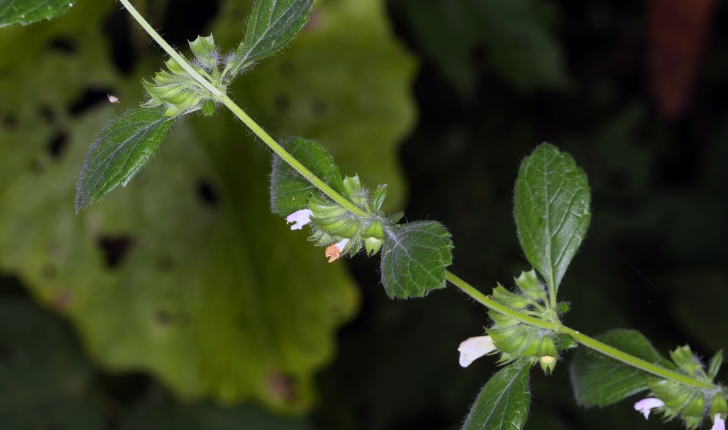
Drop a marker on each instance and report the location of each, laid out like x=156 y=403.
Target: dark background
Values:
x=639 y=103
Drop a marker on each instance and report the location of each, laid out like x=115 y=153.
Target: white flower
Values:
x=112 y=98
x=335 y=250
x=475 y=347
x=647 y=405
x=718 y=424
x=299 y=218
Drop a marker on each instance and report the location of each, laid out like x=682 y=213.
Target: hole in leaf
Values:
x=318 y=107
x=9 y=123
x=62 y=302
x=165 y=264
x=186 y=19
x=281 y=103
x=125 y=389
x=90 y=98
x=63 y=44
x=282 y=386
x=57 y=145
x=115 y=250
x=47 y=114
x=118 y=31
x=163 y=319
x=207 y=193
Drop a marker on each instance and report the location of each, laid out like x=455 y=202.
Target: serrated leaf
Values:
x=601 y=381
x=551 y=210
x=289 y=191
x=29 y=11
x=504 y=401
x=271 y=26
x=414 y=258
x=119 y=152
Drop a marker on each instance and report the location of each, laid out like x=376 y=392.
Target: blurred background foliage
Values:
x=181 y=292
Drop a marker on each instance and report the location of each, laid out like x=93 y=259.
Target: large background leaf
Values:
x=185 y=273
x=47 y=382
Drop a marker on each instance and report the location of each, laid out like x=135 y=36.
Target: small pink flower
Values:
x=647 y=405
x=299 y=218
x=335 y=250
x=718 y=423
x=474 y=348
x=112 y=98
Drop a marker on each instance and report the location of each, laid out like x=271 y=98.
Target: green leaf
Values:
x=601 y=381
x=271 y=26
x=504 y=401
x=30 y=11
x=414 y=258
x=551 y=210
x=289 y=191
x=119 y=152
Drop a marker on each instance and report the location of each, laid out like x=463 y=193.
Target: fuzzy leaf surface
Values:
x=119 y=152
x=504 y=401
x=551 y=210
x=289 y=191
x=30 y=11
x=414 y=258
x=272 y=25
x=600 y=381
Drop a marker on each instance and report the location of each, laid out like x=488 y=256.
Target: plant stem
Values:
x=462 y=285
x=581 y=338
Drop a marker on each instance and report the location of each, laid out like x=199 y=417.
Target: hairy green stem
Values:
x=459 y=283
x=581 y=338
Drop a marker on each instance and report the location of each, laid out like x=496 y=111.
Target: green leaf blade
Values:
x=289 y=191
x=29 y=11
x=551 y=210
x=414 y=258
x=119 y=152
x=601 y=381
x=273 y=24
x=504 y=401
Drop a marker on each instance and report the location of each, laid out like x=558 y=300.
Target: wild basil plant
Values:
x=552 y=214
